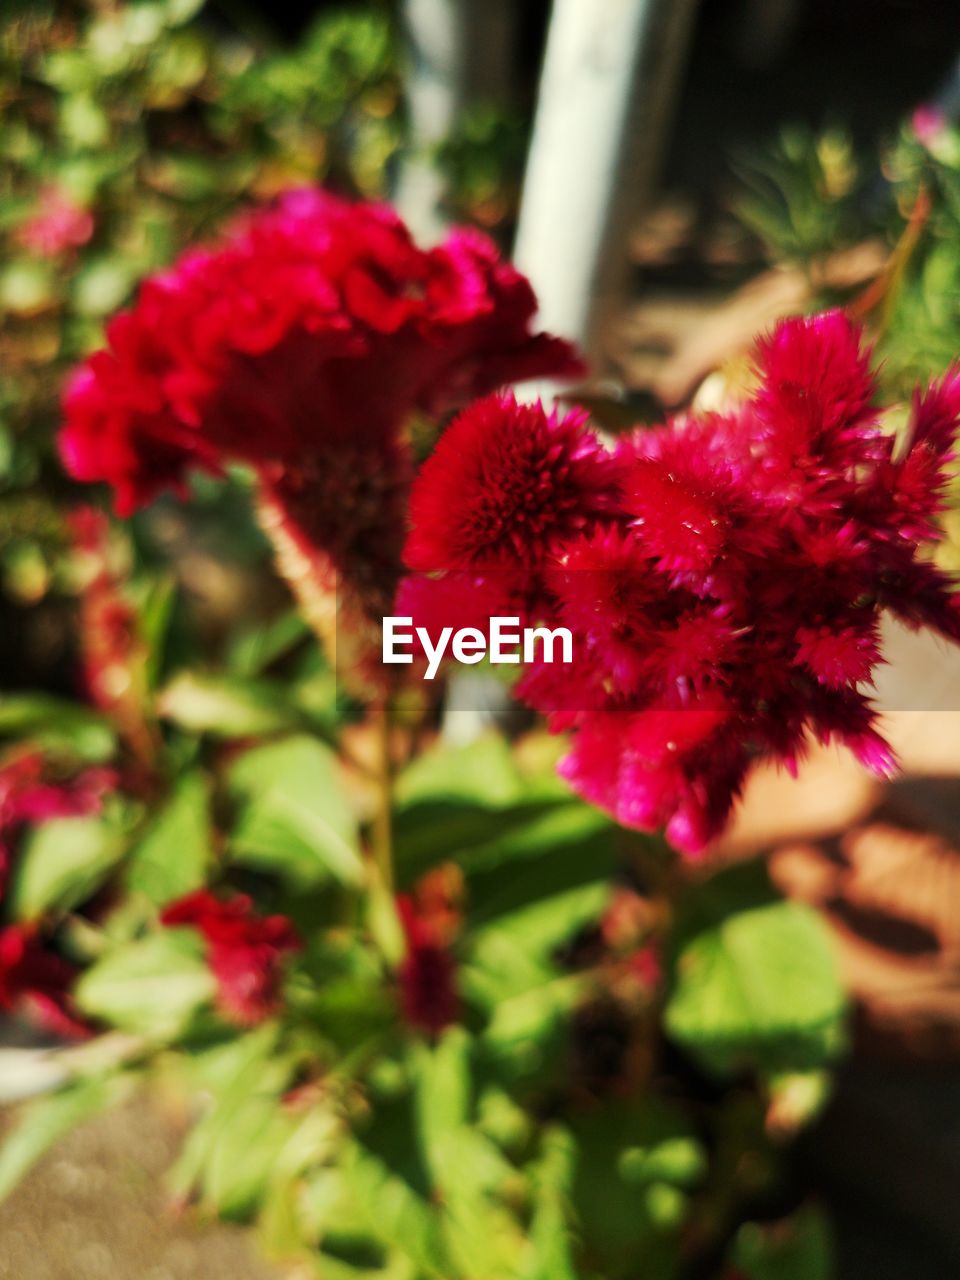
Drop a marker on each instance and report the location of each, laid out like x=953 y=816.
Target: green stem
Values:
x=383 y=820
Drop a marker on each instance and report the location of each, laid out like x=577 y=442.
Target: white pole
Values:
x=609 y=77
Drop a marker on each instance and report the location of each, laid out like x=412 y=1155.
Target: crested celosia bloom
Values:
x=35 y=978
x=245 y=951
x=301 y=345
x=726 y=606
x=31 y=794
x=523 y=482
x=427 y=975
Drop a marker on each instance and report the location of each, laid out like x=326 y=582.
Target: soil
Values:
x=94 y=1209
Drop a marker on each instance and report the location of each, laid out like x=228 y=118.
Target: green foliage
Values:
x=293 y=818
x=174 y=855
x=483 y=160
x=62 y=863
x=226 y=706
x=801 y=195
x=542 y=1128
x=59 y=727
x=635 y=1167
x=797 y=1249
x=741 y=997
x=152 y=987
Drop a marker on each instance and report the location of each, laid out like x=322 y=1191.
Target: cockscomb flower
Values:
x=727 y=606
x=427 y=975
x=245 y=951
x=301 y=344
x=506 y=483
x=35 y=978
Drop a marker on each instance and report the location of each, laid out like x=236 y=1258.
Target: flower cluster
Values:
x=245 y=951
x=301 y=345
x=723 y=575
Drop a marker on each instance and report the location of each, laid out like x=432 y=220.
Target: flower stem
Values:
x=382 y=833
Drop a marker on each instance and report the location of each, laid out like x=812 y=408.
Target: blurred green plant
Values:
x=808 y=195
x=634 y=1044
x=483 y=162
x=129 y=131
x=802 y=194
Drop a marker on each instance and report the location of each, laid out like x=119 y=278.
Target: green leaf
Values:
x=759 y=987
x=443 y=1088
x=628 y=1153
x=61 y=864
x=246 y=1138
x=391 y=1185
x=483 y=772
x=254 y=650
x=294 y=818
x=58 y=725
x=466 y=1168
x=152 y=987
x=799 y=1248
x=523 y=907
x=102 y=285
x=431 y=832
x=155 y=616
x=41 y=1123
x=226 y=706
x=173 y=857
x=550 y=1231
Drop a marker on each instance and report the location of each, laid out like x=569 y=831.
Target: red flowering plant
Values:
x=727 y=600
x=302 y=346
x=445 y=1010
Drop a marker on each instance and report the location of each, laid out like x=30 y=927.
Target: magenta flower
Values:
x=35 y=978
x=245 y=951
x=726 y=606
x=301 y=345
x=523 y=481
x=56 y=225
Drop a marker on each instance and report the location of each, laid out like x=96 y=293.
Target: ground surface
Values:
x=95 y=1209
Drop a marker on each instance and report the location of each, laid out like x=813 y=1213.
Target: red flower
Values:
x=726 y=606
x=245 y=951
x=36 y=978
x=427 y=975
x=301 y=345
x=505 y=484
x=316 y=324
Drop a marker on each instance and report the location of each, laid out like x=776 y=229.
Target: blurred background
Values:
x=674 y=176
